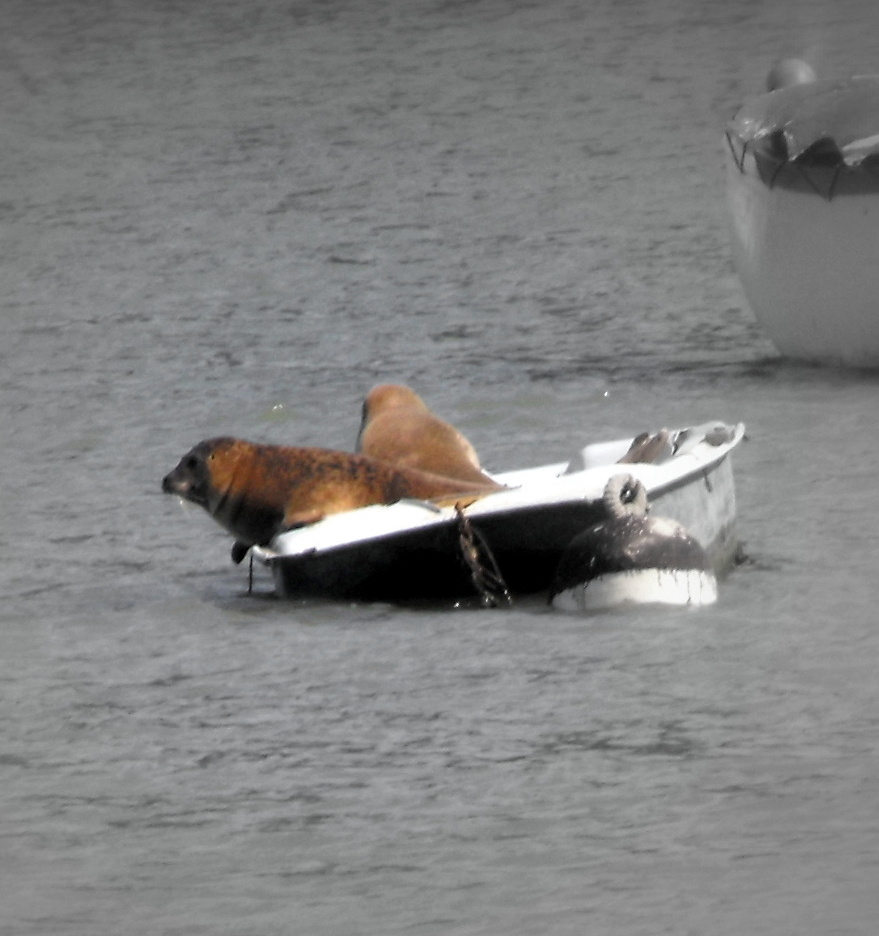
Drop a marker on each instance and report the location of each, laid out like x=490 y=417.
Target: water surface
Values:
x=237 y=217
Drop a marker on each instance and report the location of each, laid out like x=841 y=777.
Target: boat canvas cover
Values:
x=827 y=122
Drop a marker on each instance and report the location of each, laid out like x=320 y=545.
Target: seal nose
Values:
x=168 y=485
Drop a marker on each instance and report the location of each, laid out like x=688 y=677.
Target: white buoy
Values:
x=631 y=558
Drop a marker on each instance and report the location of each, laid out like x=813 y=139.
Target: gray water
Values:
x=235 y=218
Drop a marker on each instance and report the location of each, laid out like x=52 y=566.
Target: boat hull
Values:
x=806 y=248
x=428 y=563
x=422 y=556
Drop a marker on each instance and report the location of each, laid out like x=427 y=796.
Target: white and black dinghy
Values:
x=513 y=541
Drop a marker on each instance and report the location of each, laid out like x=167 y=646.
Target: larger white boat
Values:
x=512 y=539
x=803 y=196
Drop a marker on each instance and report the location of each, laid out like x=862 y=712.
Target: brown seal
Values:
x=398 y=427
x=257 y=491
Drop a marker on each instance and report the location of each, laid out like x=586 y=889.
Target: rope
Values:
x=484 y=571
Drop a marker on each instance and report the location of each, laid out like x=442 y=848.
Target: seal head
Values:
x=216 y=474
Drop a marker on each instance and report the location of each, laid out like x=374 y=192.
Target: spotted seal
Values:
x=256 y=491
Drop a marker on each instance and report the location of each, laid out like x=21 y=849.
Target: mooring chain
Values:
x=484 y=571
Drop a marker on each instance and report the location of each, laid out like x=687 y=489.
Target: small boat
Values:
x=508 y=542
x=803 y=198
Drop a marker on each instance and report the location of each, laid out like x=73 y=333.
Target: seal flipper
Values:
x=300 y=518
x=460 y=501
x=239 y=551
x=649 y=449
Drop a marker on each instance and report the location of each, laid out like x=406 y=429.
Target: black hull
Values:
x=428 y=563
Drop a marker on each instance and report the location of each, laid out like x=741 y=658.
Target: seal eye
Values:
x=192 y=463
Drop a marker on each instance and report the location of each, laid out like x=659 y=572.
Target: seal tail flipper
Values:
x=649 y=449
